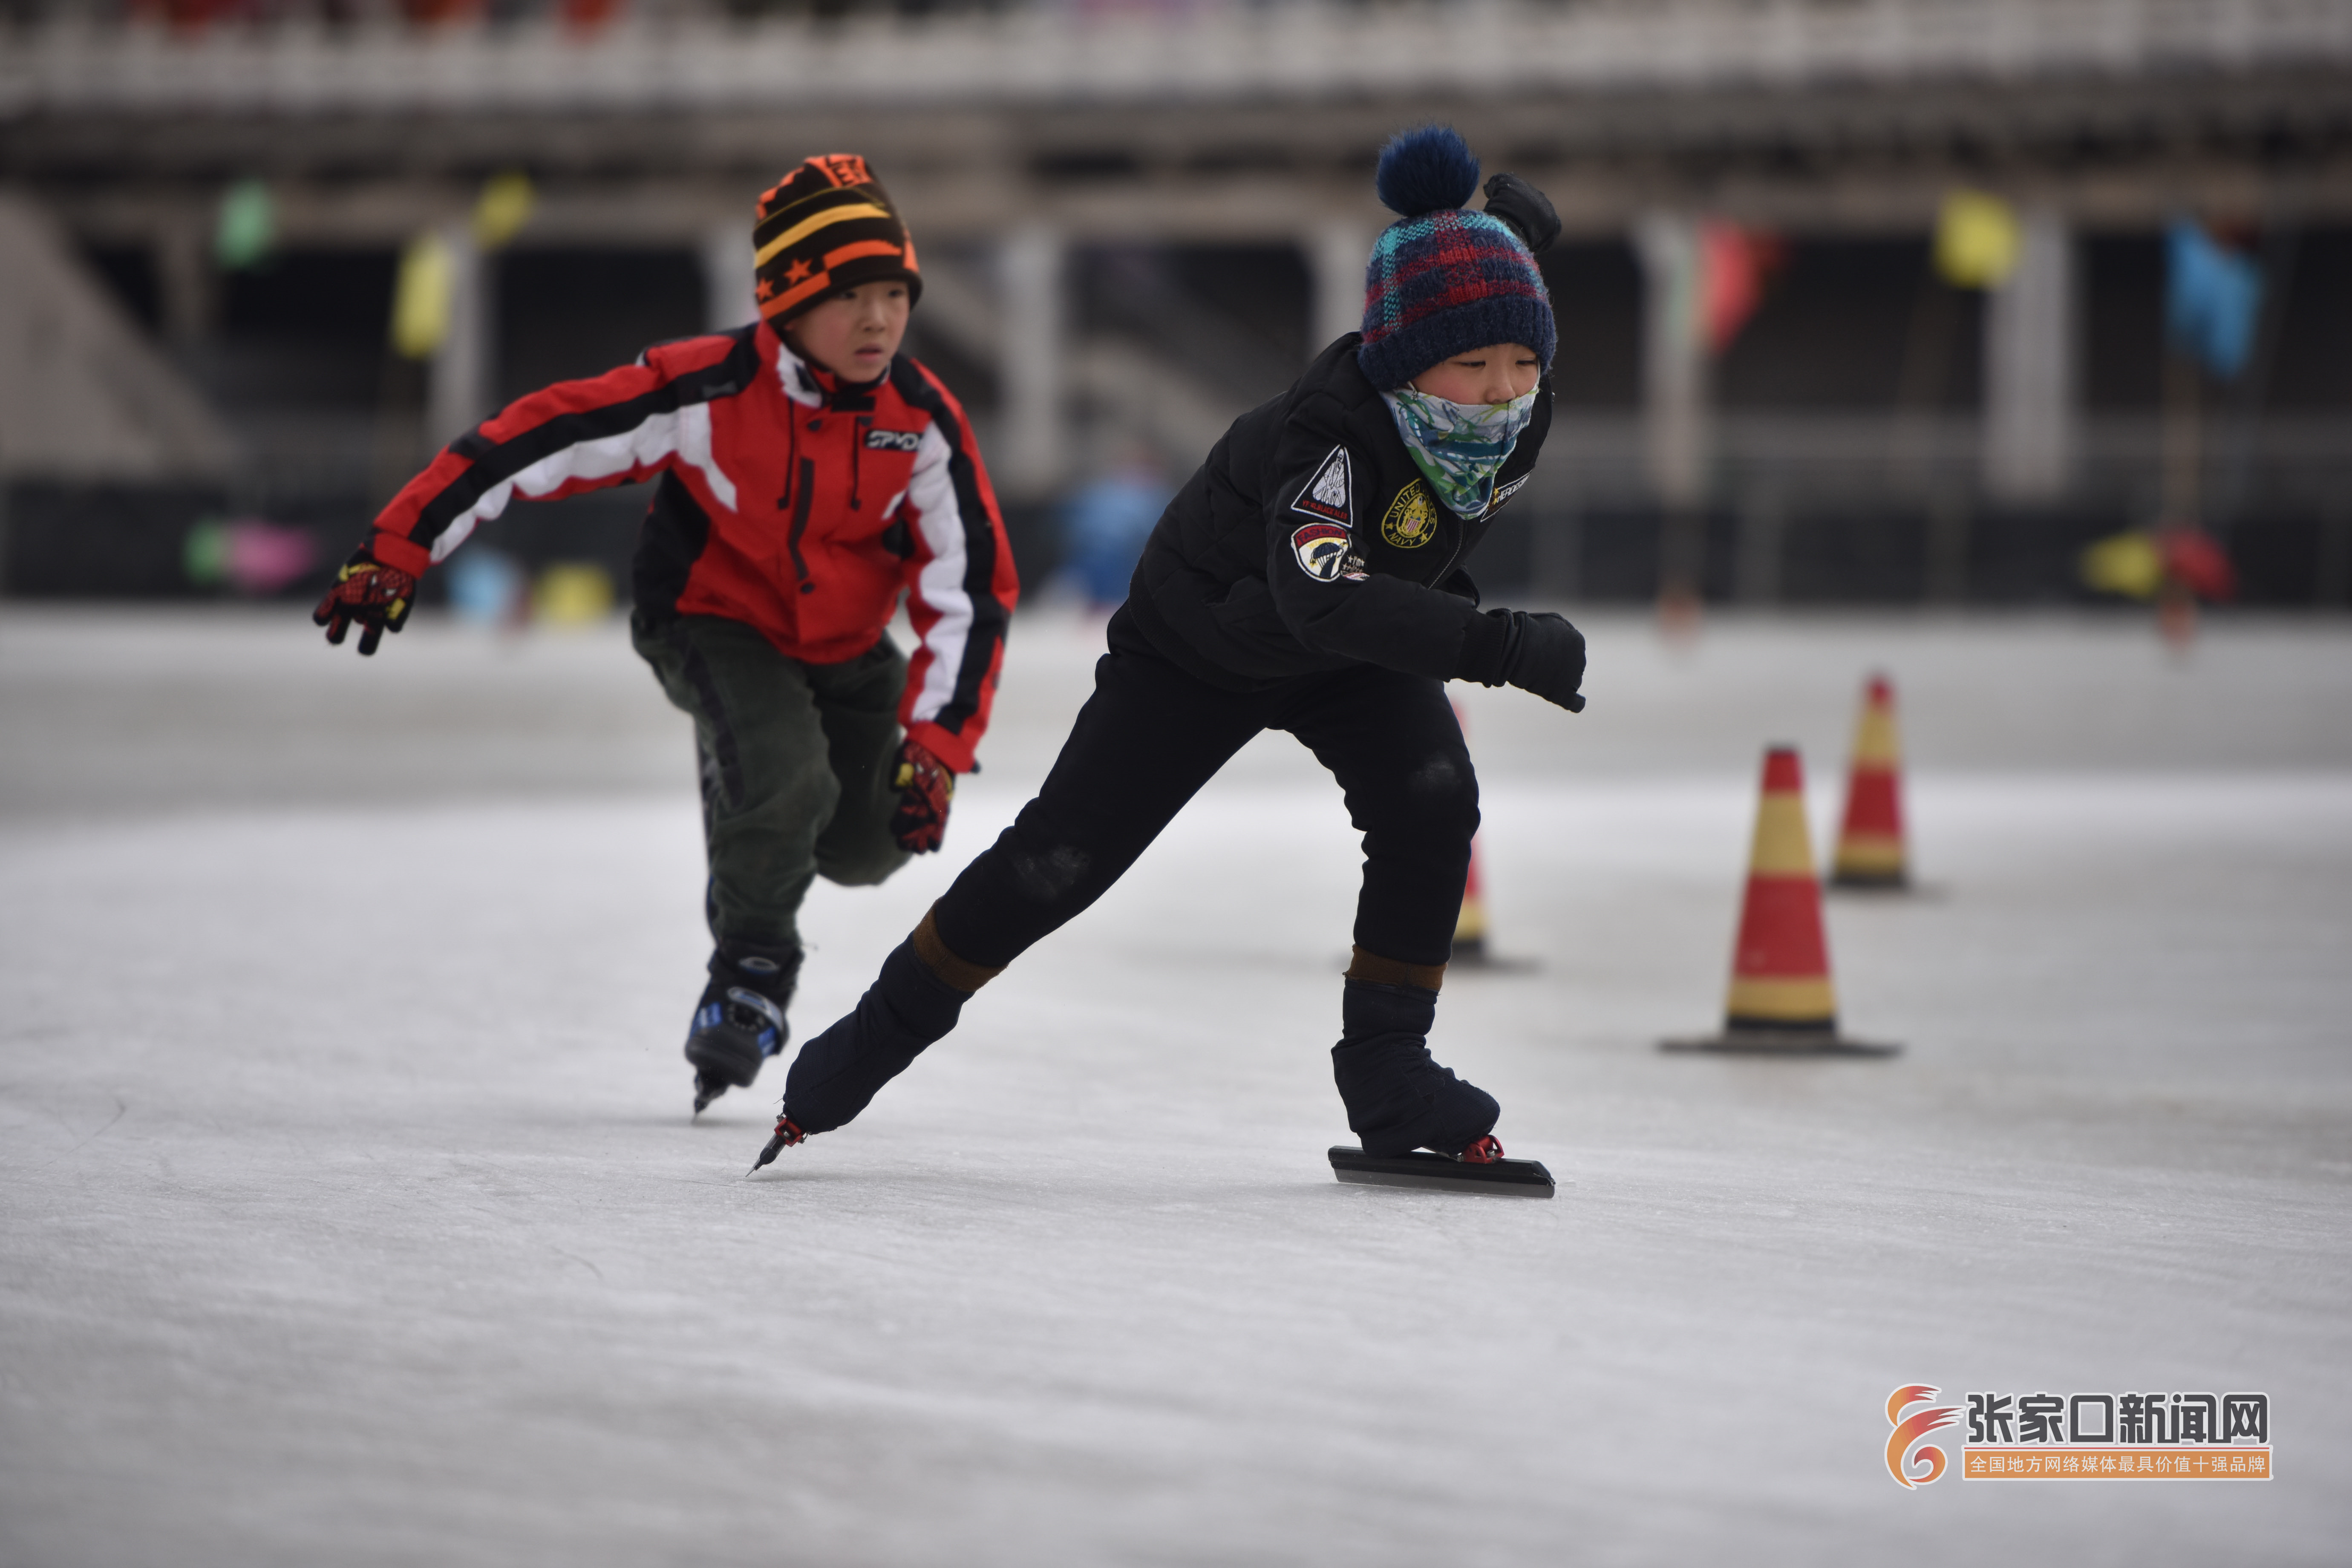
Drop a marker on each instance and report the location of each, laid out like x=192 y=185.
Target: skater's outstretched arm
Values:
x=626 y=424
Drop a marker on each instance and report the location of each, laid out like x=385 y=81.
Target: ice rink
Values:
x=351 y=1211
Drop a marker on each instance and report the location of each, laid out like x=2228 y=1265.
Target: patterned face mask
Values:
x=1459 y=447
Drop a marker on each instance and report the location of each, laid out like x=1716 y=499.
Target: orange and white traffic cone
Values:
x=1781 y=1001
x=1870 y=848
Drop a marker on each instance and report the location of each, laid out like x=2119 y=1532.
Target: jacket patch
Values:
x=1508 y=492
x=1321 y=549
x=893 y=440
x=1326 y=495
x=1412 y=521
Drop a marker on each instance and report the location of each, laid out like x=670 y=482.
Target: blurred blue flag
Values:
x=2212 y=298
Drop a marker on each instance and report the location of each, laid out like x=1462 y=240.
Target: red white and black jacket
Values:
x=787 y=500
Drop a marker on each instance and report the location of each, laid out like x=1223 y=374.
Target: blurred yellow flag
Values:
x=2126 y=563
x=421 y=297
x=503 y=207
x=572 y=594
x=1976 y=240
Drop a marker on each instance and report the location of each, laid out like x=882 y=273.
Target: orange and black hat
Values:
x=826 y=227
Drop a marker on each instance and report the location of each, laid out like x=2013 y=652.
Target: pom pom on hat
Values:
x=1442 y=280
x=1424 y=169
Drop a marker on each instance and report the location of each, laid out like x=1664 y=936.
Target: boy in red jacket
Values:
x=809 y=474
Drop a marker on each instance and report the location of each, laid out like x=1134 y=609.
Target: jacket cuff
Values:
x=952 y=749
x=1485 y=645
x=402 y=554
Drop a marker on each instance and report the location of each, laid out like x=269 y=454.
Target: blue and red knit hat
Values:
x=1441 y=279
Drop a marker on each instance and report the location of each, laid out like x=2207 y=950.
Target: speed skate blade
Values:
x=1501 y=1179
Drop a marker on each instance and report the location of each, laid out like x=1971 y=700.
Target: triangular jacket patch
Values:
x=1326 y=496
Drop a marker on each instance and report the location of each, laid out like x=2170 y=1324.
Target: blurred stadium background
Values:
x=1899 y=301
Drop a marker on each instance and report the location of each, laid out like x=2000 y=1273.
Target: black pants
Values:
x=1153 y=734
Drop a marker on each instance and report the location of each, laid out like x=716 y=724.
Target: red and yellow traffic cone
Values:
x=1781 y=1000
x=1470 y=949
x=1870 y=849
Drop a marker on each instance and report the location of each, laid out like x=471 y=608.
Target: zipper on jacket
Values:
x=791 y=459
x=804 y=482
x=857 y=460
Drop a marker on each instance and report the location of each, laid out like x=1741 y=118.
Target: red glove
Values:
x=377 y=596
x=925 y=786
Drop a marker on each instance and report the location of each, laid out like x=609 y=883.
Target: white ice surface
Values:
x=349 y=1212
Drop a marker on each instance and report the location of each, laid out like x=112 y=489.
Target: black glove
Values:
x=377 y=596
x=1524 y=208
x=924 y=786
x=1545 y=655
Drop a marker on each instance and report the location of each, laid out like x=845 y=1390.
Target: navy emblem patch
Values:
x=1412 y=521
x=1326 y=495
x=1321 y=549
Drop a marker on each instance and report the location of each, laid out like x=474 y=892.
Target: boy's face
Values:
x=1495 y=374
x=855 y=332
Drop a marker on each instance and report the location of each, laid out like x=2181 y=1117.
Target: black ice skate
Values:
x=1398 y=1098
x=739 y=1022
x=1480 y=1169
x=839 y=1072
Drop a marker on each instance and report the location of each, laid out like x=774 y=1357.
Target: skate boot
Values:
x=1398 y=1099
x=739 y=1022
x=839 y=1072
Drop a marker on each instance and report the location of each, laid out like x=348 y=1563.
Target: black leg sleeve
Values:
x=1397 y=1097
x=1145 y=743
x=840 y=1071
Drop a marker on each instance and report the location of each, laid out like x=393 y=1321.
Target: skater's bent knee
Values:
x=869 y=869
x=1444 y=779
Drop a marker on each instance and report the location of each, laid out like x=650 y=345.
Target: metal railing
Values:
x=322 y=57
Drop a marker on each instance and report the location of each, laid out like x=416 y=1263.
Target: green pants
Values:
x=796 y=762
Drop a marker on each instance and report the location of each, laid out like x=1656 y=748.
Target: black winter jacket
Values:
x=1308 y=541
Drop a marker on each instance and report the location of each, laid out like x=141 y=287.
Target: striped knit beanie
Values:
x=826 y=227
x=1441 y=279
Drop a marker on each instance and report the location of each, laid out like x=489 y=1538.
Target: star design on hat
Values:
x=767 y=289
x=797 y=272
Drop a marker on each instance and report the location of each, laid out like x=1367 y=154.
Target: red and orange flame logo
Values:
x=1909 y=1430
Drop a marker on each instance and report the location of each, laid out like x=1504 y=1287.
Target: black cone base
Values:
x=1502 y=1179
x=1737 y=1041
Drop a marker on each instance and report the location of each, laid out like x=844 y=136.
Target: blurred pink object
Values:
x=260 y=557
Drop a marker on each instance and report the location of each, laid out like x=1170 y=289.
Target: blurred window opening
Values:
x=566 y=313
x=1856 y=325
x=1596 y=301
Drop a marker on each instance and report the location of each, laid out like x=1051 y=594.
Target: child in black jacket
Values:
x=1307 y=578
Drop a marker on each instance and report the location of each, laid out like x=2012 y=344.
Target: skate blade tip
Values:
x=1435 y=1172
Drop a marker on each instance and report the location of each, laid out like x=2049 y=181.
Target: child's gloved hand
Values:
x=1526 y=209
x=377 y=596
x=1546 y=655
x=924 y=786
